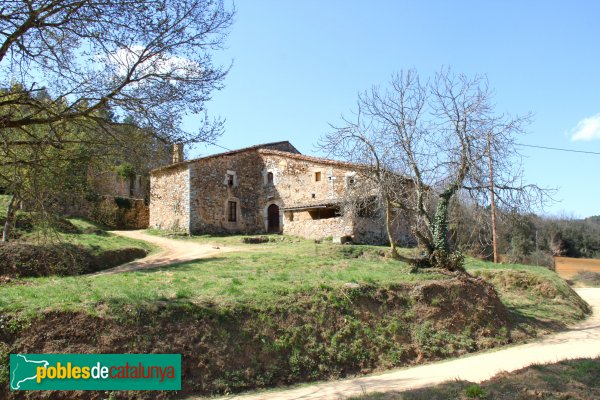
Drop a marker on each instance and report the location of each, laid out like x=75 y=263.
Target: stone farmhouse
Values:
x=264 y=188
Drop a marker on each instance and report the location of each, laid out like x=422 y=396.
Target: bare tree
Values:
x=434 y=138
x=150 y=59
x=72 y=71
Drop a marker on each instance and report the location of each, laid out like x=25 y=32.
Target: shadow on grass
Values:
x=521 y=319
x=177 y=265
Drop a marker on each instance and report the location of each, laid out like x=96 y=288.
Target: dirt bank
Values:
x=323 y=334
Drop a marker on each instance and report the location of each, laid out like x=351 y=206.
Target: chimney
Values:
x=177 y=153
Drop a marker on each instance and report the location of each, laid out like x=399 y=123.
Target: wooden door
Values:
x=273 y=217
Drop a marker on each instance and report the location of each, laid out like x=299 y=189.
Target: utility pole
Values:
x=492 y=200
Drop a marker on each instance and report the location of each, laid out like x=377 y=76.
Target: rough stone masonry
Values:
x=264 y=188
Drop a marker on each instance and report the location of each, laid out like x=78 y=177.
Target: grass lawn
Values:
x=93 y=237
x=278 y=312
x=265 y=273
x=97 y=240
x=530 y=292
x=258 y=276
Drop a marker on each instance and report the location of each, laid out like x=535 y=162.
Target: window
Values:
x=290 y=215
x=232 y=211
x=230 y=179
x=324 y=213
x=317 y=177
x=350 y=181
x=269 y=178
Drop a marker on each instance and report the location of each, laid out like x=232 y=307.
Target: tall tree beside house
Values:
x=435 y=133
x=73 y=71
x=53 y=176
x=36 y=174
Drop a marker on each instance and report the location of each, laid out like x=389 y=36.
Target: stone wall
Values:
x=295 y=178
x=232 y=192
x=370 y=231
x=170 y=199
x=319 y=228
x=120 y=212
x=212 y=191
x=109 y=183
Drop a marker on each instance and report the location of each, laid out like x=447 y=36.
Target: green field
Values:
x=261 y=274
x=287 y=307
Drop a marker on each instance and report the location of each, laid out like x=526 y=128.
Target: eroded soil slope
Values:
x=322 y=334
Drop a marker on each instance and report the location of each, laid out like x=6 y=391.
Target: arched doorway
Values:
x=273 y=218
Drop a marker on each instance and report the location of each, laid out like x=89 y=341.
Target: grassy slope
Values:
x=97 y=240
x=273 y=300
x=260 y=276
x=530 y=292
x=573 y=379
x=92 y=237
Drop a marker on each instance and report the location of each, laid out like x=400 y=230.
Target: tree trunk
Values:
x=388 y=228
x=11 y=212
x=440 y=223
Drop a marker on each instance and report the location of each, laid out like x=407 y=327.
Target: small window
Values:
x=324 y=213
x=270 y=178
x=317 y=177
x=230 y=179
x=350 y=181
x=232 y=212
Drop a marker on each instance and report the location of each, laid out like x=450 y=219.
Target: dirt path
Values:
x=582 y=340
x=172 y=251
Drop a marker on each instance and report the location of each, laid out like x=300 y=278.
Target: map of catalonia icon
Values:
x=23 y=370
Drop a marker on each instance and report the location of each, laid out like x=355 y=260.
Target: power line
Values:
x=518 y=144
x=559 y=149
x=217 y=145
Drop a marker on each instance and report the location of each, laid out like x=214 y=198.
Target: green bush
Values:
x=475 y=391
x=31 y=260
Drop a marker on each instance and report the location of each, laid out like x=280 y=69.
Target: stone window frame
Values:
x=318 y=176
x=350 y=180
x=231 y=179
x=226 y=212
x=265 y=174
x=231 y=211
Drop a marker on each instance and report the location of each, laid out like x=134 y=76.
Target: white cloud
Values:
x=174 y=66
x=587 y=129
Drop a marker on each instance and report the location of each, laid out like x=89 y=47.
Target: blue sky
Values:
x=299 y=65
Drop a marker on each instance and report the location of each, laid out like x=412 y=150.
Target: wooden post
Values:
x=492 y=199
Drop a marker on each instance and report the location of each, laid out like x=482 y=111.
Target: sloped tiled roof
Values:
x=317 y=160
x=312 y=205
x=228 y=153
